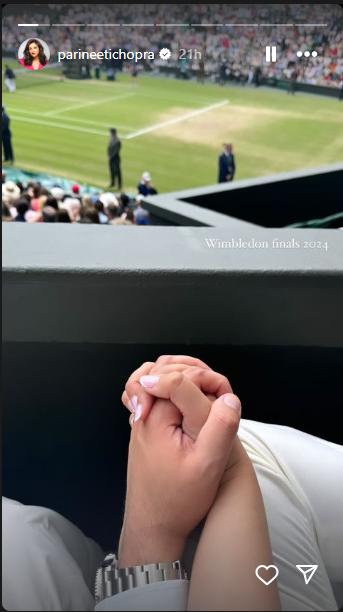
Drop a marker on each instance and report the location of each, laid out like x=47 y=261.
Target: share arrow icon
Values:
x=307 y=571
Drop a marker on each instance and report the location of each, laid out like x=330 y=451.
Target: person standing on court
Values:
x=7 y=137
x=292 y=81
x=227 y=165
x=113 y=152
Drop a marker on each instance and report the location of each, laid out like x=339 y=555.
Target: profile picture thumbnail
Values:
x=34 y=54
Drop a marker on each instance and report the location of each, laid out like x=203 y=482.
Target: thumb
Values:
x=219 y=431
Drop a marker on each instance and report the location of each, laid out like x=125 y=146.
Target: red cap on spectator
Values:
x=75 y=189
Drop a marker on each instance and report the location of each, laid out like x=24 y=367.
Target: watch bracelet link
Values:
x=111 y=580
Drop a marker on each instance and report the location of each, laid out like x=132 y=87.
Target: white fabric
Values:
x=301 y=478
x=47 y=562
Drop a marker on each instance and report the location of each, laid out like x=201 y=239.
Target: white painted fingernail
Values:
x=133 y=403
x=149 y=381
x=138 y=412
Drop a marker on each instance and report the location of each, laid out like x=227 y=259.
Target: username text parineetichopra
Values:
x=105 y=54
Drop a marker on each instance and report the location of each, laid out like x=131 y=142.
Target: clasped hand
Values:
x=184 y=424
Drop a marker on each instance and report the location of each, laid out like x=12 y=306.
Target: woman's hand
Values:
x=172 y=478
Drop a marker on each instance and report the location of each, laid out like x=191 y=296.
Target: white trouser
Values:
x=48 y=564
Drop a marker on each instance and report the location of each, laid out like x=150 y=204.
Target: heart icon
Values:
x=270 y=573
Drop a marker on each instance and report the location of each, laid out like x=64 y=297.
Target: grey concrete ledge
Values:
x=145 y=285
x=108 y=250
x=215 y=279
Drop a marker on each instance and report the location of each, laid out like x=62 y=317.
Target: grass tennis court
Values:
x=172 y=128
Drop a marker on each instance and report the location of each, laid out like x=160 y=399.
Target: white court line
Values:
x=84 y=104
x=158 y=126
x=125 y=128
x=64 y=109
x=62 y=126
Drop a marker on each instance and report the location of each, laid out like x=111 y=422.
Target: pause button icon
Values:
x=270 y=54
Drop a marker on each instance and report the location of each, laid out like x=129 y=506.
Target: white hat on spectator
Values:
x=139 y=198
x=146 y=176
x=10 y=192
x=70 y=203
x=73 y=207
x=58 y=193
x=108 y=198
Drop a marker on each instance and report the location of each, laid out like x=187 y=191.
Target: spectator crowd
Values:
x=34 y=203
x=239 y=48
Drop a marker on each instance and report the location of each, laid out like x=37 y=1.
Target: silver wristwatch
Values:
x=111 y=580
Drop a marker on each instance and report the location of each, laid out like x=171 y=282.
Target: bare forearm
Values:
x=233 y=543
